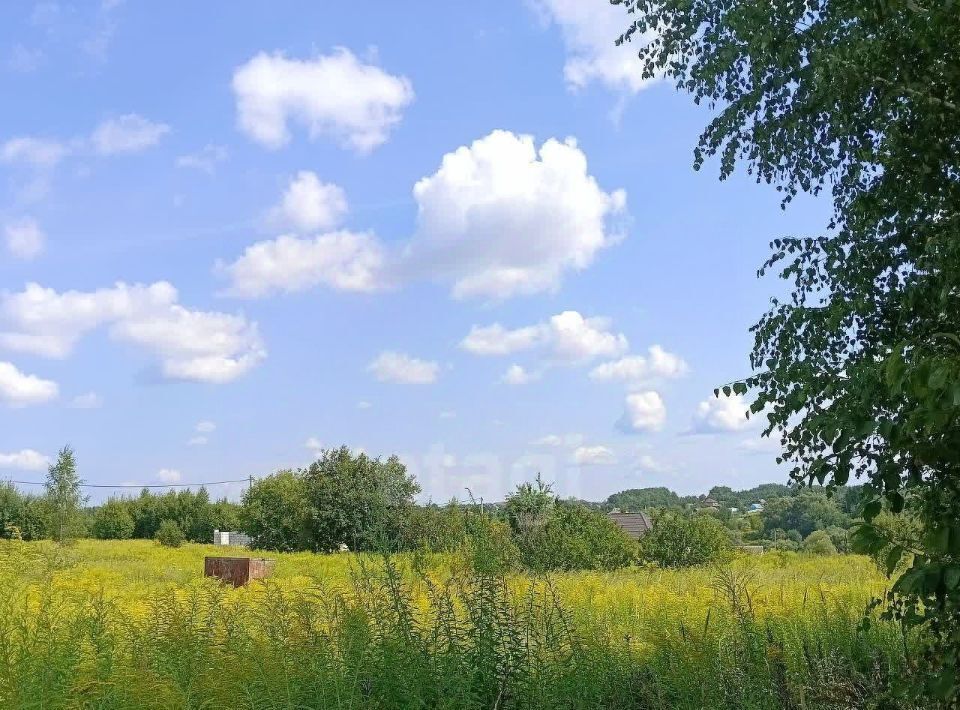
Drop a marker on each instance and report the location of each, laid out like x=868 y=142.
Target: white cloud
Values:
x=23 y=60
x=500 y=218
x=129 y=133
x=497 y=340
x=448 y=414
x=197 y=441
x=333 y=95
x=345 y=261
x=20 y=390
x=548 y=440
x=168 y=475
x=309 y=205
x=594 y=456
x=363 y=405
x=191 y=345
x=517 y=375
x=643 y=411
x=204 y=160
x=205 y=427
x=403 y=369
x=637 y=368
x=90 y=400
x=314 y=444
x=36 y=152
x=648 y=464
x=721 y=414
x=555 y=440
x=24 y=460
x=589 y=33
x=24 y=238
x=567 y=337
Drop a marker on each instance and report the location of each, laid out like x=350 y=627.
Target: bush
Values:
x=275 y=513
x=819 y=543
x=574 y=537
x=784 y=545
x=684 y=541
x=113 y=522
x=169 y=534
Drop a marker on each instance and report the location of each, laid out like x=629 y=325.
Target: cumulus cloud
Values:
x=32 y=151
x=567 y=337
x=205 y=427
x=363 y=404
x=594 y=456
x=648 y=464
x=24 y=238
x=309 y=204
x=90 y=400
x=314 y=444
x=556 y=440
x=721 y=414
x=24 y=460
x=205 y=160
x=344 y=260
x=130 y=133
x=335 y=95
x=168 y=475
x=643 y=411
x=638 y=368
x=21 y=390
x=191 y=345
x=197 y=441
x=589 y=32
x=501 y=218
x=517 y=375
x=403 y=369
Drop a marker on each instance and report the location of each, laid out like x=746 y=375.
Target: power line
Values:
x=157 y=485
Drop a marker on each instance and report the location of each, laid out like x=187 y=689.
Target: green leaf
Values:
x=893 y=559
x=872 y=509
x=951 y=577
x=896 y=501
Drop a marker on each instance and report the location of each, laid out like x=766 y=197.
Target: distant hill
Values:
x=634 y=499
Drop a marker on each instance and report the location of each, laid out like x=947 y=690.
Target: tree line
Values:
x=347 y=500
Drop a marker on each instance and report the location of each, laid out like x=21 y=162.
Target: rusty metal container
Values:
x=238 y=571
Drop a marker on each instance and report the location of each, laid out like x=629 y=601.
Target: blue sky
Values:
x=471 y=237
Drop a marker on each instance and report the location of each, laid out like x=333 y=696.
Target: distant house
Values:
x=227 y=537
x=756 y=508
x=710 y=503
x=636 y=525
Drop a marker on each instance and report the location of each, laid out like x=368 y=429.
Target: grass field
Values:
x=132 y=624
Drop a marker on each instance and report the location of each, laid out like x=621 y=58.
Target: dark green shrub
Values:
x=685 y=540
x=112 y=522
x=169 y=534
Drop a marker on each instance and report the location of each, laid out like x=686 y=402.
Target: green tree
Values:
x=169 y=534
x=819 y=543
x=112 y=521
x=804 y=512
x=858 y=371
x=275 y=512
x=529 y=507
x=637 y=499
x=574 y=537
x=685 y=540
x=357 y=500
x=63 y=495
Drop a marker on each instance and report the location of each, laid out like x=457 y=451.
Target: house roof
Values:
x=636 y=525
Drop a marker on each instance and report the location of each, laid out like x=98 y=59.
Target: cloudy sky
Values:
x=471 y=236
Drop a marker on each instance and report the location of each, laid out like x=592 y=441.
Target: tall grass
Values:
x=132 y=625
